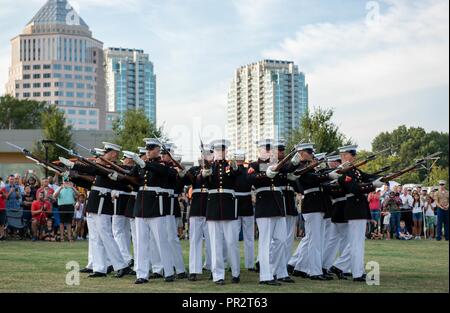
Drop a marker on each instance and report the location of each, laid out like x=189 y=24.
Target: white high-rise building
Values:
x=266 y=100
x=56 y=60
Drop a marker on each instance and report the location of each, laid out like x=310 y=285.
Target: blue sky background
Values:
x=379 y=64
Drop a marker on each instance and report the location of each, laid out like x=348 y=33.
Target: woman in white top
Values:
x=430 y=219
x=417 y=216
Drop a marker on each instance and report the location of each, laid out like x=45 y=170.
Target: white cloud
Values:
x=254 y=12
x=351 y=63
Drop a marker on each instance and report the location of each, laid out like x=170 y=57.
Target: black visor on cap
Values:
x=310 y=151
x=281 y=148
x=268 y=147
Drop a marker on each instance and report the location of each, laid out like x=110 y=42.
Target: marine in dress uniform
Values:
x=336 y=233
x=171 y=204
x=149 y=212
x=221 y=214
x=309 y=251
x=198 y=229
x=246 y=213
x=121 y=221
x=290 y=187
x=270 y=217
x=100 y=209
x=357 y=185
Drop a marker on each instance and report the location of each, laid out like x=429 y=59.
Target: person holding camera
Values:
x=66 y=196
x=40 y=211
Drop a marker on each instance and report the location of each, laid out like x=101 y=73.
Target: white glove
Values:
x=334 y=175
x=115 y=194
x=182 y=173
x=66 y=162
x=138 y=161
x=206 y=172
x=292 y=177
x=378 y=183
x=113 y=176
x=296 y=159
x=270 y=172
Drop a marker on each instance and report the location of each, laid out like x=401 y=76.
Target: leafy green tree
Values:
x=20 y=114
x=318 y=127
x=132 y=128
x=54 y=128
x=437 y=173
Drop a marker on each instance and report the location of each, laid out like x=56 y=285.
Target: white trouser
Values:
x=331 y=245
x=105 y=247
x=196 y=233
x=157 y=228
x=122 y=234
x=290 y=232
x=310 y=248
x=207 y=264
x=174 y=244
x=133 y=235
x=92 y=239
x=224 y=233
x=272 y=242
x=352 y=258
x=248 y=230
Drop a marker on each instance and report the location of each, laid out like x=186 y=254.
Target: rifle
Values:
x=362 y=162
x=112 y=164
x=37 y=160
x=313 y=164
x=411 y=168
x=381 y=170
x=286 y=159
x=175 y=162
x=205 y=164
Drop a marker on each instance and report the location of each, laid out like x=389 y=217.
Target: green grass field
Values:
x=416 y=266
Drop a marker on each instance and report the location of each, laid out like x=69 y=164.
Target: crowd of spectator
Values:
x=408 y=213
x=50 y=209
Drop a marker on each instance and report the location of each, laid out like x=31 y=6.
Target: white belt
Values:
x=288 y=188
x=334 y=201
x=268 y=189
x=134 y=193
x=200 y=190
x=102 y=190
x=124 y=193
x=157 y=190
x=216 y=191
x=243 y=194
x=307 y=191
x=350 y=195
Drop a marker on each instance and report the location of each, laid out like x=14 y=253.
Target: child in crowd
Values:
x=48 y=233
x=78 y=216
x=376 y=233
x=430 y=218
x=386 y=223
x=403 y=232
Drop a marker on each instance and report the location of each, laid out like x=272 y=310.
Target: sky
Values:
x=378 y=64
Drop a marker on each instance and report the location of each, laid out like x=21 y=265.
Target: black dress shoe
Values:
x=220 y=282
x=156 y=276
x=211 y=276
x=169 y=279
x=290 y=269
x=124 y=271
x=132 y=273
x=270 y=283
x=320 y=277
x=131 y=263
x=300 y=274
x=96 y=274
x=286 y=280
x=257 y=267
x=339 y=274
x=236 y=280
x=110 y=269
x=182 y=276
x=192 y=277
x=86 y=270
x=360 y=279
x=141 y=281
